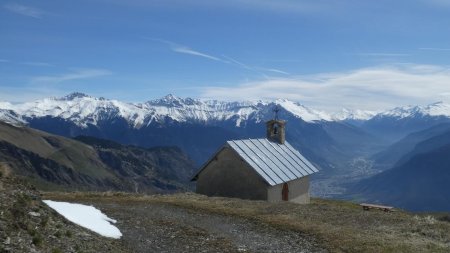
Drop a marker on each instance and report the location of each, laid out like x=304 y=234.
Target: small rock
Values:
x=34 y=214
x=7 y=241
x=84 y=234
x=242 y=249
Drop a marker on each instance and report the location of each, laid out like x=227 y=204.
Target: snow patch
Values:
x=86 y=216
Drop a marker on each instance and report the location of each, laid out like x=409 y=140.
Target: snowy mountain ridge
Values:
x=82 y=110
x=348 y=114
x=434 y=109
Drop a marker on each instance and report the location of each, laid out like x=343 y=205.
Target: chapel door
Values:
x=285 y=192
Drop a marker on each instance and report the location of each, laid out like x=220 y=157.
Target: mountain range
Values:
x=197 y=126
x=347 y=146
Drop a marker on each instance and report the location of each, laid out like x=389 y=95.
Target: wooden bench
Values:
x=367 y=207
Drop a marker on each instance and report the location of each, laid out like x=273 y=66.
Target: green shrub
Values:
x=31 y=230
x=445 y=218
x=68 y=233
x=56 y=250
x=58 y=234
x=18 y=210
x=44 y=221
x=37 y=239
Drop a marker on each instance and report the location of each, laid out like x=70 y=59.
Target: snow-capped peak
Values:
x=434 y=109
x=350 y=114
x=438 y=109
x=74 y=95
x=6 y=105
x=303 y=112
x=11 y=117
x=79 y=108
x=171 y=100
x=84 y=110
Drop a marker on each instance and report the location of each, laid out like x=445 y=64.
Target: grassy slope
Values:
x=339 y=226
x=53 y=162
x=68 y=152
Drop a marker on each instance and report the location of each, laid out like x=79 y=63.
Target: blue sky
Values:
x=325 y=54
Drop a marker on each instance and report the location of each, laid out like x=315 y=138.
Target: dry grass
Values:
x=339 y=226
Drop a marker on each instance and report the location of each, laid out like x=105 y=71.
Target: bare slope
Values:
x=53 y=162
x=67 y=152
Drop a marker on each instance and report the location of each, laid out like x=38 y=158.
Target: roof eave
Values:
x=195 y=176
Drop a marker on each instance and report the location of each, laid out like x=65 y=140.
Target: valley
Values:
x=137 y=173
x=224 y=126
x=347 y=147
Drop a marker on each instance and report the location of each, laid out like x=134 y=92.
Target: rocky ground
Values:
x=28 y=225
x=160 y=227
x=194 y=223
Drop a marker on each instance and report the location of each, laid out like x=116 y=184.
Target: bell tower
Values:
x=276 y=129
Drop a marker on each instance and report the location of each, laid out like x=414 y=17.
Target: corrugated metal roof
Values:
x=276 y=163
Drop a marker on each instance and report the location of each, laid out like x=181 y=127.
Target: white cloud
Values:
x=276 y=71
x=186 y=50
x=175 y=47
x=75 y=75
x=24 y=10
x=369 y=88
x=255 y=69
x=238 y=63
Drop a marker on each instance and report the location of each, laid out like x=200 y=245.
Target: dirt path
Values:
x=154 y=227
